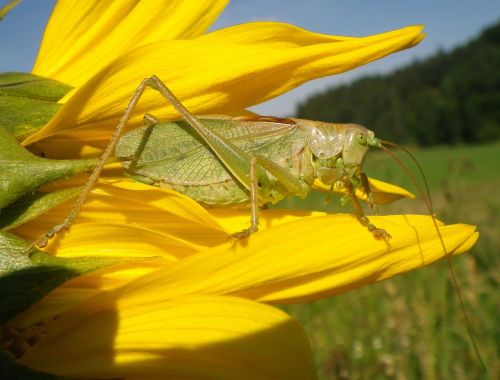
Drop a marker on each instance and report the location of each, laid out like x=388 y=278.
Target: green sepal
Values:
x=28 y=102
x=22 y=172
x=25 y=280
x=33 y=205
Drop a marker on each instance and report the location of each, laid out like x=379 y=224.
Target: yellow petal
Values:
x=274 y=34
x=300 y=261
x=212 y=76
x=235 y=220
x=129 y=219
x=84 y=287
x=84 y=36
x=196 y=337
x=117 y=240
x=382 y=192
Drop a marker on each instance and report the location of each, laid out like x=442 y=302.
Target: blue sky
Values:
x=448 y=23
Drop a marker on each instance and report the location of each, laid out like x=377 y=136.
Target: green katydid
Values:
x=219 y=160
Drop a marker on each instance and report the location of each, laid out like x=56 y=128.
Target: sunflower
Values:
x=183 y=302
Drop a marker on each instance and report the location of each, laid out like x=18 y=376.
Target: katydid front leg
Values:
x=378 y=233
x=366 y=188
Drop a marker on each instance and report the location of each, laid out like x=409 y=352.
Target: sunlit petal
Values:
x=382 y=192
x=202 y=337
x=305 y=260
x=212 y=76
x=150 y=226
x=84 y=36
x=129 y=219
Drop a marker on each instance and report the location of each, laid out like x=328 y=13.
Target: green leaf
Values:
x=33 y=205
x=22 y=172
x=22 y=117
x=27 y=85
x=25 y=280
x=28 y=102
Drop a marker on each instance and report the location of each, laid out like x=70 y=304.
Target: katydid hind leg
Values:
x=243 y=166
x=70 y=218
x=236 y=161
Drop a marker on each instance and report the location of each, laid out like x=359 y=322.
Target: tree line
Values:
x=449 y=98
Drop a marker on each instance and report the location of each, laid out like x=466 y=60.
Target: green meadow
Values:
x=411 y=326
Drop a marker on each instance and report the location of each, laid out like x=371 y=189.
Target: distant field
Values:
x=411 y=327
x=474 y=163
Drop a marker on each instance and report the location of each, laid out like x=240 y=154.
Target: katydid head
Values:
x=358 y=141
x=339 y=149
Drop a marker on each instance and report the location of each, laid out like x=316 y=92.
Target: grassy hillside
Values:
x=411 y=327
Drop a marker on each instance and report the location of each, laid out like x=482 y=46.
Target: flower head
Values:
x=185 y=302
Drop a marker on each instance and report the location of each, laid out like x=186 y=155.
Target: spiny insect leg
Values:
x=378 y=233
x=367 y=190
x=254 y=203
x=68 y=221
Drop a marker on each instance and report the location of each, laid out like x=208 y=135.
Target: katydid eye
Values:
x=361 y=138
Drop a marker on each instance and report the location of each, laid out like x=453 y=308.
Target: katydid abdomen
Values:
x=171 y=154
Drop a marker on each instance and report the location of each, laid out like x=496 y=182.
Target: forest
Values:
x=450 y=97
